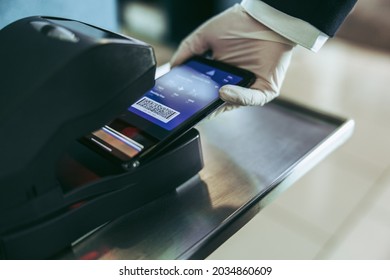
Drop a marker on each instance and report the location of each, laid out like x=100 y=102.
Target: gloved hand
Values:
x=236 y=38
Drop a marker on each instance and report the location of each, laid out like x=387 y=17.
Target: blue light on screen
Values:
x=181 y=93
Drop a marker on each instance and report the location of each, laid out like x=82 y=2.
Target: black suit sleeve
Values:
x=326 y=15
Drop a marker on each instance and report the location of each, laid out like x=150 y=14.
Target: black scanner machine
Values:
x=59 y=80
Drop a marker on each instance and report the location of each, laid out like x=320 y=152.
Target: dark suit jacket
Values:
x=326 y=15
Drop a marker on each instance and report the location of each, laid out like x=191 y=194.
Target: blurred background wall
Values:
x=169 y=21
x=368 y=24
x=103 y=13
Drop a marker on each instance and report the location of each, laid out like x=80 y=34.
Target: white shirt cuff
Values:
x=292 y=28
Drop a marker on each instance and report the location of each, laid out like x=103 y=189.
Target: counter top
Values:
x=251 y=155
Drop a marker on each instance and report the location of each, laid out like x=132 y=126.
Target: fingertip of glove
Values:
x=228 y=93
x=176 y=59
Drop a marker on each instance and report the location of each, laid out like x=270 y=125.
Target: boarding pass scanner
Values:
x=59 y=80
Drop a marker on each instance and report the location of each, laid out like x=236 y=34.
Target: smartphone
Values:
x=178 y=101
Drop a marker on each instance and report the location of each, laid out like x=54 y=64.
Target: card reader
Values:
x=59 y=80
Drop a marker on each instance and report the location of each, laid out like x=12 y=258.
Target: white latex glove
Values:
x=236 y=38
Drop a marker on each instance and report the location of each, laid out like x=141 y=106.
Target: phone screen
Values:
x=181 y=93
x=179 y=99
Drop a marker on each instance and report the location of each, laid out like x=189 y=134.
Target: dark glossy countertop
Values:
x=250 y=155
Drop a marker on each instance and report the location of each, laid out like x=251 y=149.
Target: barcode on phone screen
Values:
x=155 y=109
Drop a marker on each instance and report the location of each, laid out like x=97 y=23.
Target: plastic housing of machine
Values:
x=59 y=80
